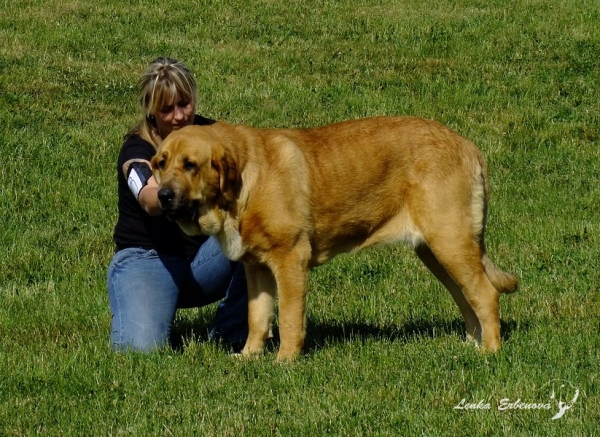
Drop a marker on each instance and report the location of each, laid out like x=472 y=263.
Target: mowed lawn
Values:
x=385 y=353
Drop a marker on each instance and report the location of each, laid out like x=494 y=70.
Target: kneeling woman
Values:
x=156 y=267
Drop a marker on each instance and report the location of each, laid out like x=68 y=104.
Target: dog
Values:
x=284 y=200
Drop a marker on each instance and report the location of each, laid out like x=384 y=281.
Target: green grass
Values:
x=385 y=354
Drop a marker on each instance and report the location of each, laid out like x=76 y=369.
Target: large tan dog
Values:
x=284 y=200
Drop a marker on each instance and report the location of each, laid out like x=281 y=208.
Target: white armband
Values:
x=138 y=175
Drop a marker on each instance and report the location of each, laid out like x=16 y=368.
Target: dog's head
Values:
x=197 y=180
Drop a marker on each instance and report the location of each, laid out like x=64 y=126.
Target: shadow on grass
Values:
x=188 y=331
x=322 y=334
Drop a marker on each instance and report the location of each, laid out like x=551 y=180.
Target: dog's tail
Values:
x=502 y=281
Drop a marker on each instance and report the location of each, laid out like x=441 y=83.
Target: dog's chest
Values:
x=230 y=240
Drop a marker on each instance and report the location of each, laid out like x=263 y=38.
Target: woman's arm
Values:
x=149 y=198
x=143 y=185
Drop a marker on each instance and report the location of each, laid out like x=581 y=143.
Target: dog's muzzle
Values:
x=173 y=208
x=166 y=198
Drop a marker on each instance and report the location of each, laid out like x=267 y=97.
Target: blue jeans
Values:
x=145 y=288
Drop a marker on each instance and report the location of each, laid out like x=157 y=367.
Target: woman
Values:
x=157 y=268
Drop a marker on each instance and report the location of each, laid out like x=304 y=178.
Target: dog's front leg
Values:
x=261 y=307
x=292 y=277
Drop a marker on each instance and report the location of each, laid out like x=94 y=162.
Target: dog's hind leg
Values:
x=450 y=213
x=261 y=307
x=473 y=328
x=461 y=259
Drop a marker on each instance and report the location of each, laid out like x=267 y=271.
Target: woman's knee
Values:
x=143 y=300
x=139 y=339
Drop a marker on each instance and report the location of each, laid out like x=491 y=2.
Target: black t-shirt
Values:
x=135 y=228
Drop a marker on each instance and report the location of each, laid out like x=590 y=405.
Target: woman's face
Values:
x=174 y=116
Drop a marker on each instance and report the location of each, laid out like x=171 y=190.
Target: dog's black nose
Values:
x=166 y=196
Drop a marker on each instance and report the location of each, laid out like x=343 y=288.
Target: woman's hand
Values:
x=149 y=198
x=144 y=187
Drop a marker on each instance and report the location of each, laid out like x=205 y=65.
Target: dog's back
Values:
x=355 y=164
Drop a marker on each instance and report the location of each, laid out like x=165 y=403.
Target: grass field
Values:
x=385 y=353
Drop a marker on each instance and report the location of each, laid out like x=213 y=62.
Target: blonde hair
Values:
x=163 y=82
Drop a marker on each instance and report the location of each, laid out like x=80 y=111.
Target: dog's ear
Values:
x=228 y=172
x=154 y=165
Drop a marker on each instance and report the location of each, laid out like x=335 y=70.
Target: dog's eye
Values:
x=161 y=164
x=189 y=165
